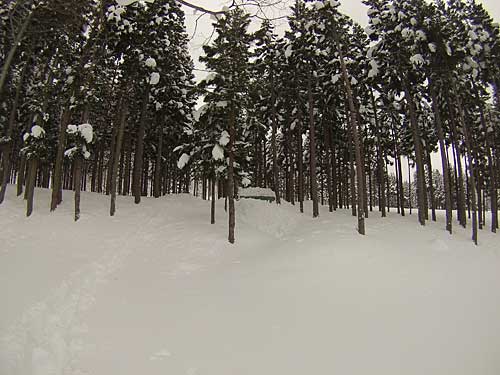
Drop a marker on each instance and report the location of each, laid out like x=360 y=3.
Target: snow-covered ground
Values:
x=158 y=290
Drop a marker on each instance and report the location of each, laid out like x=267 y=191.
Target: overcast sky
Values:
x=353 y=8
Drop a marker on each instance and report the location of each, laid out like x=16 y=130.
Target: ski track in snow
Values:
x=47 y=337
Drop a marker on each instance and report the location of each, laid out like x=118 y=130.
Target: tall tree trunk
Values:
x=300 y=159
x=291 y=166
x=380 y=156
x=400 y=185
x=312 y=149
x=128 y=160
x=139 y=149
x=458 y=168
x=328 y=165
x=212 y=203
x=21 y=175
x=409 y=186
x=77 y=182
x=30 y=188
x=352 y=174
x=444 y=157
x=276 y=181
x=158 y=169
x=117 y=152
x=6 y=157
x=431 y=186
x=470 y=162
x=58 y=168
x=230 y=173
x=357 y=142
x=418 y=155
x=491 y=166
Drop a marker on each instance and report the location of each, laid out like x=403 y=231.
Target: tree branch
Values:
x=199 y=8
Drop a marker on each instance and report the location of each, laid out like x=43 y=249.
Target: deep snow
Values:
x=158 y=290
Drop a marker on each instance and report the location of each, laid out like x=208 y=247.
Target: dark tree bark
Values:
x=139 y=149
x=30 y=188
x=444 y=157
x=230 y=174
x=77 y=179
x=300 y=159
x=117 y=151
x=312 y=149
x=276 y=180
x=458 y=169
x=380 y=156
x=158 y=169
x=212 y=203
x=470 y=162
x=58 y=168
x=7 y=152
x=417 y=142
x=357 y=143
x=431 y=186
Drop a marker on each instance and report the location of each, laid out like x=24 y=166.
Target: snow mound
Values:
x=275 y=220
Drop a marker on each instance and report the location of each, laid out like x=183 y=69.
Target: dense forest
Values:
x=99 y=95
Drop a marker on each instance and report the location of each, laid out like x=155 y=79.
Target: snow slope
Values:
x=158 y=290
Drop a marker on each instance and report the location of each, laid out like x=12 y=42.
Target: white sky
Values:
x=354 y=8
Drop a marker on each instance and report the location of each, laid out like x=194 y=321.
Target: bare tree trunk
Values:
x=117 y=152
x=444 y=158
x=312 y=149
x=357 y=144
x=230 y=174
x=380 y=158
x=409 y=185
x=21 y=175
x=276 y=181
x=139 y=149
x=458 y=163
x=401 y=190
x=431 y=186
x=418 y=155
x=77 y=179
x=6 y=157
x=57 y=174
x=30 y=188
x=328 y=165
x=300 y=159
x=212 y=203
x=158 y=169
x=472 y=185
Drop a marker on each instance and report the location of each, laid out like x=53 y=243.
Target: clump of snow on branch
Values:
x=36 y=132
x=150 y=62
x=81 y=136
x=154 y=79
x=34 y=142
x=183 y=160
x=218 y=153
x=224 y=138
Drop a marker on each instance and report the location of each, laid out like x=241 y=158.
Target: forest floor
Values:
x=158 y=290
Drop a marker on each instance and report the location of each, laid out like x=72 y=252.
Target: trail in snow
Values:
x=48 y=335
